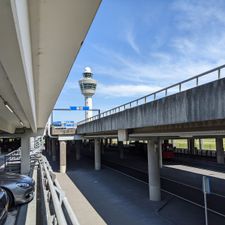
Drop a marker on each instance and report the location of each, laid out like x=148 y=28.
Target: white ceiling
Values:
x=39 y=41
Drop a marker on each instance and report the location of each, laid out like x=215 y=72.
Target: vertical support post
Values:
x=200 y=144
x=53 y=150
x=78 y=147
x=219 y=150
x=62 y=160
x=121 y=149
x=160 y=153
x=25 y=154
x=153 y=171
x=191 y=145
x=49 y=147
x=97 y=154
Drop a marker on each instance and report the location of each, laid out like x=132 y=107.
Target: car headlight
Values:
x=23 y=185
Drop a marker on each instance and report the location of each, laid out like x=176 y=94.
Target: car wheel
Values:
x=10 y=197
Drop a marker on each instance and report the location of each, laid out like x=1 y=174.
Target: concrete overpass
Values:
x=196 y=112
x=39 y=42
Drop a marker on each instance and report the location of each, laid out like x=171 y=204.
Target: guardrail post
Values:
x=218 y=73
x=180 y=87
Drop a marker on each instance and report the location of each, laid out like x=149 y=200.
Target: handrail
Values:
x=58 y=196
x=145 y=98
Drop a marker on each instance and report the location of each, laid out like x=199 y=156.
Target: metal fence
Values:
x=61 y=212
x=213 y=74
x=12 y=161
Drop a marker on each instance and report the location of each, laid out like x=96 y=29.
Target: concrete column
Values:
x=219 y=150
x=62 y=159
x=53 y=150
x=121 y=149
x=153 y=171
x=97 y=154
x=200 y=144
x=49 y=147
x=191 y=145
x=78 y=147
x=160 y=153
x=102 y=146
x=25 y=154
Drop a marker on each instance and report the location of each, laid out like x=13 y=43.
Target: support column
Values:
x=97 y=154
x=25 y=154
x=49 y=147
x=200 y=144
x=160 y=153
x=121 y=149
x=78 y=147
x=62 y=159
x=153 y=171
x=53 y=150
x=191 y=145
x=219 y=150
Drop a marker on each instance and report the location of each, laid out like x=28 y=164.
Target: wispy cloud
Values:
x=131 y=41
x=196 y=45
x=122 y=90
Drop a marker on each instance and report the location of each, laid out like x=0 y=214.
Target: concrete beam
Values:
x=183 y=108
x=22 y=26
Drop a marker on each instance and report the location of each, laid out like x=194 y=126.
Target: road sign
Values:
x=57 y=123
x=79 y=108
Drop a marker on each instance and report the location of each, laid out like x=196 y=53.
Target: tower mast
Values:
x=88 y=87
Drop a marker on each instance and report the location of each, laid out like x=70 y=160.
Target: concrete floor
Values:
x=120 y=199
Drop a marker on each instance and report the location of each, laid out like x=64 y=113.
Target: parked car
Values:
x=4 y=204
x=19 y=188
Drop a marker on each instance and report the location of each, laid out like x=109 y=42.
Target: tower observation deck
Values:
x=88 y=87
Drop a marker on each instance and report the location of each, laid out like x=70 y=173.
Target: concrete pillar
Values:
x=25 y=154
x=160 y=153
x=97 y=154
x=78 y=147
x=200 y=144
x=62 y=158
x=102 y=146
x=191 y=145
x=219 y=150
x=49 y=147
x=153 y=171
x=53 y=149
x=121 y=149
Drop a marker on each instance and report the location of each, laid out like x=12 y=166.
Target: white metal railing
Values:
x=159 y=94
x=63 y=213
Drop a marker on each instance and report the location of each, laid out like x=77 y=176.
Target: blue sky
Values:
x=135 y=47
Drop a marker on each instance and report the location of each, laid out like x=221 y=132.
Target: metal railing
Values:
x=158 y=94
x=62 y=212
x=12 y=161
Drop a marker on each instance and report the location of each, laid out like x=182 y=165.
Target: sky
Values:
x=136 y=47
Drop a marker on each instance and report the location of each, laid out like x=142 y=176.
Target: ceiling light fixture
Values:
x=11 y=110
x=8 y=107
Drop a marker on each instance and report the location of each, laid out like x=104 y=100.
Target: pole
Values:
x=206 y=190
x=206 y=210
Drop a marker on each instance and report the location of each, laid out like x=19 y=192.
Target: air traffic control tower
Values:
x=88 y=87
